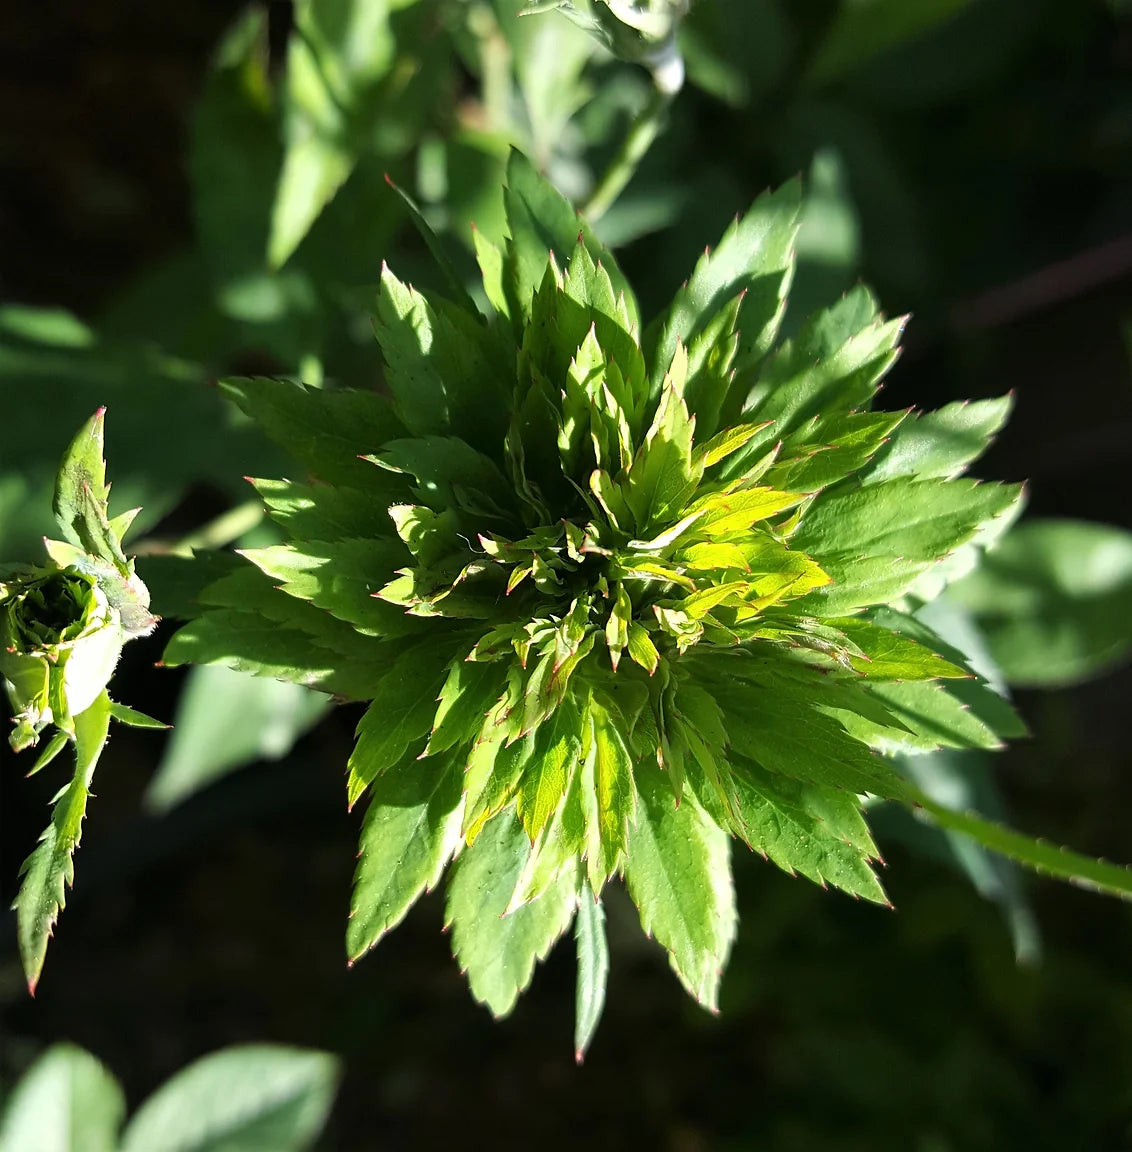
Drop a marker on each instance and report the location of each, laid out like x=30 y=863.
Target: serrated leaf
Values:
x=833 y=365
x=593 y=970
x=608 y=791
x=132 y=718
x=808 y=828
x=780 y=728
x=756 y=251
x=823 y=452
x=663 y=476
x=411 y=829
x=940 y=716
x=679 y=876
x=890 y=656
x=542 y=788
x=327 y=431
x=724 y=513
x=325 y=512
x=875 y=542
x=251 y=643
x=240 y=1099
x=448 y=472
x=66 y=1102
x=469 y=692
x=940 y=443
x=642 y=649
x=81 y=495
x=498 y=952
x=343 y=577
x=541 y=220
x=401 y=714
x=440 y=365
x=49 y=870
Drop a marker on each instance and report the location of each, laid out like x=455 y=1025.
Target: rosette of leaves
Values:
x=618 y=594
x=62 y=628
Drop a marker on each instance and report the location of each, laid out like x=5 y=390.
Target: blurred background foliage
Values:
x=200 y=190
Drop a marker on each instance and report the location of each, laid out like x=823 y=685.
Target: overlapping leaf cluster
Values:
x=617 y=594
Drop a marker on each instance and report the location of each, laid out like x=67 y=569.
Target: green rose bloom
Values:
x=60 y=640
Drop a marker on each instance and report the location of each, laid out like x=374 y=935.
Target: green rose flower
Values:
x=60 y=640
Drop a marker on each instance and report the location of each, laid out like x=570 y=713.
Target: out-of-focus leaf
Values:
x=864 y=28
x=66 y=1102
x=965 y=781
x=226 y=719
x=243 y=1099
x=1054 y=600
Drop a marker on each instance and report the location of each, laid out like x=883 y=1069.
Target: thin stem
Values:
x=642 y=132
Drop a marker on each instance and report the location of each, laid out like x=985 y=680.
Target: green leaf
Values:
x=778 y=725
x=343 y=577
x=542 y=788
x=679 y=876
x=132 y=718
x=1054 y=601
x=609 y=793
x=327 y=431
x=941 y=443
x=822 y=452
x=936 y=716
x=1061 y=863
x=235 y=154
x=469 y=692
x=808 y=828
x=322 y=512
x=248 y=1098
x=411 y=829
x=593 y=970
x=867 y=28
x=832 y=366
x=50 y=870
x=313 y=170
x=226 y=719
x=961 y=781
x=262 y=646
x=436 y=250
x=540 y=220
x=754 y=254
x=66 y=1102
x=81 y=495
x=498 y=951
x=876 y=541
x=888 y=655
x=401 y=713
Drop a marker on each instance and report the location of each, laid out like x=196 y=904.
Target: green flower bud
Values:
x=60 y=639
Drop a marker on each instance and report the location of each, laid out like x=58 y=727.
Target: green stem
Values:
x=642 y=132
x=1083 y=871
